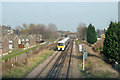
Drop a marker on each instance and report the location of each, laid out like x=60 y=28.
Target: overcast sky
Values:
x=66 y=15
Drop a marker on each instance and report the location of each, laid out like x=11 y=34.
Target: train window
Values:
x=60 y=44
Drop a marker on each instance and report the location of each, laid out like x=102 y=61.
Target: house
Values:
x=11 y=38
x=38 y=38
x=24 y=40
x=15 y=42
x=32 y=40
x=5 y=45
x=7 y=30
x=102 y=36
x=27 y=40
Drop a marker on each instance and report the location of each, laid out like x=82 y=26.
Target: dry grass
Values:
x=80 y=57
x=97 y=67
x=19 y=71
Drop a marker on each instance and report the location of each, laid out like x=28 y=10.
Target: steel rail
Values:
x=47 y=64
x=69 y=61
x=55 y=65
x=59 y=69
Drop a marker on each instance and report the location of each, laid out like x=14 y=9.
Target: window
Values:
x=10 y=41
x=10 y=47
x=27 y=39
x=38 y=37
x=19 y=41
x=60 y=44
x=22 y=39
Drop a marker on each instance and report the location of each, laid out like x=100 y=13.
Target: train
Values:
x=61 y=45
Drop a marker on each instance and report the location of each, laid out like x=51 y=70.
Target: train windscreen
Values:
x=60 y=44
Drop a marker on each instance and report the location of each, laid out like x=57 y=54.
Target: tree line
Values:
x=87 y=33
x=47 y=32
x=111 y=44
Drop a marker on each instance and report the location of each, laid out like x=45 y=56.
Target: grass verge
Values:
x=80 y=57
x=21 y=52
x=19 y=71
x=95 y=66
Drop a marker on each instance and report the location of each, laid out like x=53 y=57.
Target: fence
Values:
x=18 y=60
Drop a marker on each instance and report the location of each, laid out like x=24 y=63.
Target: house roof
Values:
x=9 y=36
x=23 y=36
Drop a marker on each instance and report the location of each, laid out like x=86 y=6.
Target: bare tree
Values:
x=82 y=31
x=46 y=32
x=31 y=25
x=18 y=27
x=52 y=27
x=25 y=26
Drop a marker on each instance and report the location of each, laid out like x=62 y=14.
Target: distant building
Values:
x=24 y=40
x=16 y=32
x=38 y=38
x=27 y=40
x=7 y=30
x=102 y=36
x=13 y=41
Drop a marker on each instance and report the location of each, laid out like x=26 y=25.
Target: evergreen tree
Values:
x=119 y=41
x=111 y=44
x=91 y=34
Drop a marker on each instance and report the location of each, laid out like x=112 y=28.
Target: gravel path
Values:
x=74 y=68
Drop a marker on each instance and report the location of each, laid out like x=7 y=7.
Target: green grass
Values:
x=20 y=71
x=14 y=51
x=13 y=55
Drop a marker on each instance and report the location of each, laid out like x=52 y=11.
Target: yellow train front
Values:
x=62 y=44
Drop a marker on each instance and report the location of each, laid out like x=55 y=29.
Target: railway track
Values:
x=58 y=64
x=46 y=65
x=69 y=61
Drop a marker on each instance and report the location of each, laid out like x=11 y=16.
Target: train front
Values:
x=60 y=45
